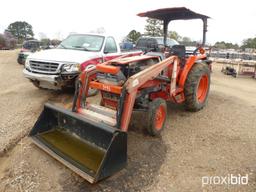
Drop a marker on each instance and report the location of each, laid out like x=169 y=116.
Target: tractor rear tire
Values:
x=156 y=116
x=197 y=87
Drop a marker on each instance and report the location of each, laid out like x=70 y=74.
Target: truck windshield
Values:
x=169 y=42
x=83 y=42
x=30 y=45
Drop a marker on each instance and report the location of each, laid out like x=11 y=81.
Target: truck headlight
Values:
x=71 y=67
x=27 y=64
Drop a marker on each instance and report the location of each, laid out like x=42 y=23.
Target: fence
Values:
x=236 y=55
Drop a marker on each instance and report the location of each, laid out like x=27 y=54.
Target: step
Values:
x=102 y=110
x=98 y=117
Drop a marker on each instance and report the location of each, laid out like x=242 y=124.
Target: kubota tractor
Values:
x=92 y=139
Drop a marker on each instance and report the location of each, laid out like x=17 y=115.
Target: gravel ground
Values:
x=216 y=141
x=20 y=101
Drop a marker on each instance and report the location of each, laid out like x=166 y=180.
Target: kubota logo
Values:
x=106 y=87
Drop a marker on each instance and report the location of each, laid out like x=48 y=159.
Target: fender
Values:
x=189 y=64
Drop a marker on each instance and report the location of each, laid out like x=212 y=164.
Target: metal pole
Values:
x=204 y=30
x=165 y=31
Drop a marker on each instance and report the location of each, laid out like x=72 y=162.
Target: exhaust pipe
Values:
x=92 y=149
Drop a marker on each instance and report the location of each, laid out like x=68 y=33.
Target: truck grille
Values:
x=42 y=66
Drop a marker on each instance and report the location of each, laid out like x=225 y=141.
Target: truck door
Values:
x=110 y=50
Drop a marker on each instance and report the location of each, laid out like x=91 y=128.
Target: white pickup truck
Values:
x=58 y=68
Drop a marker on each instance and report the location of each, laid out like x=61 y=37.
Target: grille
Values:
x=42 y=66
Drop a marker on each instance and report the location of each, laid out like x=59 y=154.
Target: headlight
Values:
x=71 y=67
x=27 y=64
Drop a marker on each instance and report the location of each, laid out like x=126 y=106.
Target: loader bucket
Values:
x=91 y=149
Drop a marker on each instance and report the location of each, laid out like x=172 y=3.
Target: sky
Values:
x=231 y=21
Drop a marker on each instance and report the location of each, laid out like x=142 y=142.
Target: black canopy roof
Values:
x=176 y=13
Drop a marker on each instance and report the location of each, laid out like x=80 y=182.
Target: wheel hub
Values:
x=202 y=88
x=160 y=117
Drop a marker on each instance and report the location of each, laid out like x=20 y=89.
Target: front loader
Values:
x=91 y=139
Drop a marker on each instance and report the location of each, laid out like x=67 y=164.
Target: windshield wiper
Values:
x=63 y=46
x=80 y=47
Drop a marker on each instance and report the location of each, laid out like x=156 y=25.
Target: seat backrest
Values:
x=178 y=50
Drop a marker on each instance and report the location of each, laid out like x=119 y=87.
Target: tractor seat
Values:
x=180 y=52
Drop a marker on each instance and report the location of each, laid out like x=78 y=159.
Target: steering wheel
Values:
x=194 y=52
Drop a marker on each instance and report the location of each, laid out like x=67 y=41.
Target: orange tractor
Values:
x=92 y=139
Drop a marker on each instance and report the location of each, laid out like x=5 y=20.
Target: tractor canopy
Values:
x=175 y=13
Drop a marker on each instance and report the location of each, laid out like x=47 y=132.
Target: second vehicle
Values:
x=58 y=68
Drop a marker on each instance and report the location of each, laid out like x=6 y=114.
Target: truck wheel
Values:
x=197 y=87
x=36 y=84
x=20 y=61
x=156 y=116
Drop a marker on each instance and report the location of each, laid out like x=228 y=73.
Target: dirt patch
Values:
x=32 y=170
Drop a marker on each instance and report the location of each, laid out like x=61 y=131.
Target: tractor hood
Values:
x=64 y=55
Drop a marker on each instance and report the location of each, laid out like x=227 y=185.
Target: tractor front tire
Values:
x=156 y=116
x=197 y=87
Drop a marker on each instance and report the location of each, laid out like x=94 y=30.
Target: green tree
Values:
x=55 y=42
x=220 y=45
x=154 y=27
x=174 y=35
x=231 y=46
x=249 y=43
x=2 y=41
x=45 y=42
x=188 y=42
x=10 y=41
x=133 y=36
x=21 y=30
x=225 y=45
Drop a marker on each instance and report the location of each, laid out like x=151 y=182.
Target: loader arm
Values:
x=136 y=81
